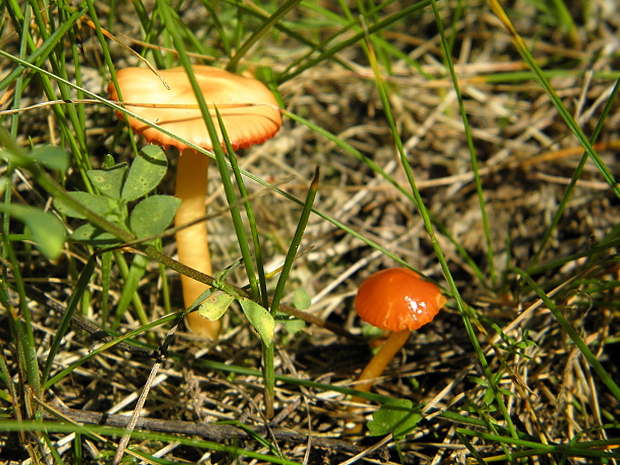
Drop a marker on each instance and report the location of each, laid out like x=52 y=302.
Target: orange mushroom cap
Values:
x=397 y=299
x=248 y=108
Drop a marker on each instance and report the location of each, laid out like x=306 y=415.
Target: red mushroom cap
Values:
x=397 y=299
x=248 y=108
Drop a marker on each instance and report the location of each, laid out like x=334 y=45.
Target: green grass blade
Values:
x=447 y=56
x=21 y=322
x=574 y=179
x=537 y=448
x=129 y=294
x=555 y=98
x=235 y=212
x=566 y=326
x=219 y=27
x=329 y=53
x=269 y=352
x=65 y=320
x=38 y=54
x=261 y=286
x=343 y=145
x=126 y=337
x=472 y=450
x=296 y=241
x=260 y=32
x=92 y=431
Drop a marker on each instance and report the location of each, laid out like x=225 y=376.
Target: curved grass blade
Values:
x=269 y=351
x=553 y=96
x=260 y=32
x=566 y=326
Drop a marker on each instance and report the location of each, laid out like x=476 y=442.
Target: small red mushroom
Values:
x=395 y=300
x=251 y=116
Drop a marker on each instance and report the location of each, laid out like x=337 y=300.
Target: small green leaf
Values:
x=215 y=306
x=145 y=173
x=215 y=303
x=478 y=380
x=110 y=181
x=98 y=204
x=294 y=326
x=301 y=299
x=108 y=162
x=489 y=397
x=47 y=231
x=51 y=157
x=153 y=215
x=371 y=332
x=89 y=234
x=398 y=417
x=260 y=319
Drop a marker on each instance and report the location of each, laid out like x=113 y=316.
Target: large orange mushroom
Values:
x=394 y=300
x=251 y=116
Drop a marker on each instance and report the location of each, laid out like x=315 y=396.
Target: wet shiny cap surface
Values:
x=397 y=299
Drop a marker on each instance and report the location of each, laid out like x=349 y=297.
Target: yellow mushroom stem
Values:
x=375 y=368
x=192 y=242
x=380 y=361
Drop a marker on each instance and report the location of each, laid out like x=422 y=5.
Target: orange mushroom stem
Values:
x=192 y=241
x=381 y=359
x=395 y=300
x=251 y=116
